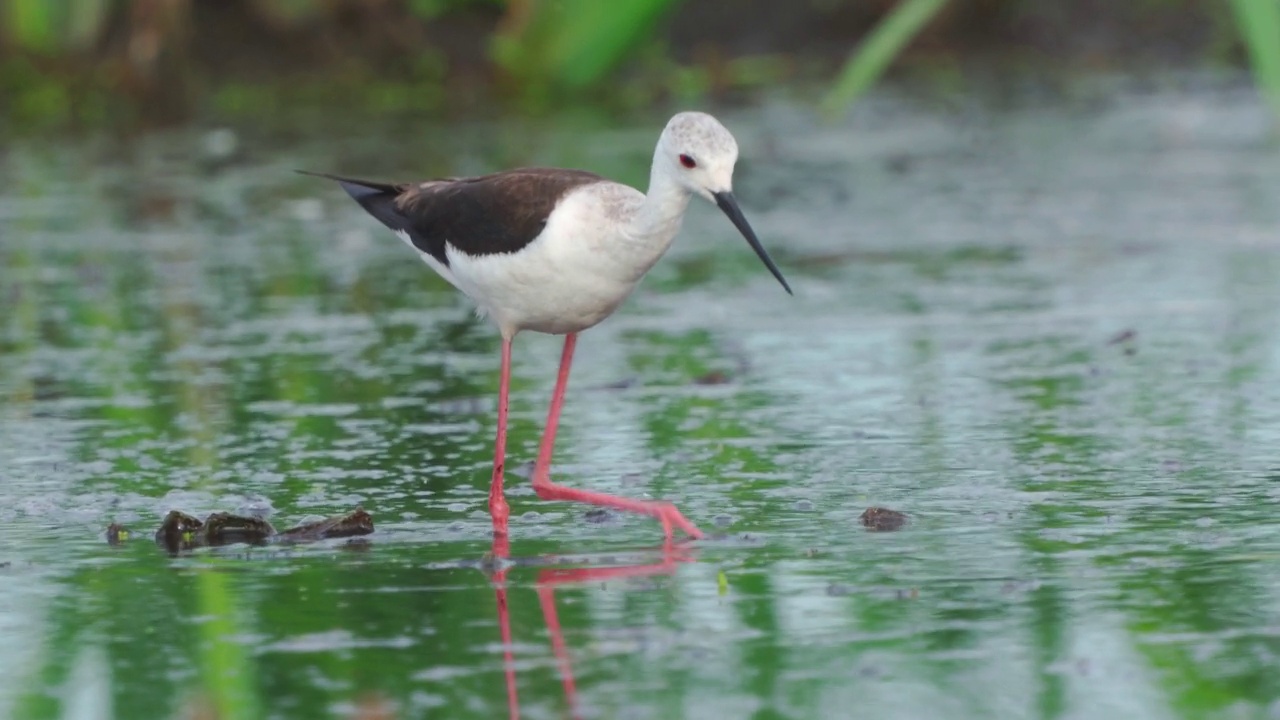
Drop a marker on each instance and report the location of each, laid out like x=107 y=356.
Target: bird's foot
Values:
x=665 y=512
x=669 y=516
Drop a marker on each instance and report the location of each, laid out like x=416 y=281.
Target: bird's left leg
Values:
x=497 y=502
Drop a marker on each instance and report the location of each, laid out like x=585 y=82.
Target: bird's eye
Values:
x=688 y=161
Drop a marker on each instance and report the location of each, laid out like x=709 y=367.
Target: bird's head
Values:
x=699 y=154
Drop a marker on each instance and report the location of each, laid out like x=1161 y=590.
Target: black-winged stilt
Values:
x=556 y=251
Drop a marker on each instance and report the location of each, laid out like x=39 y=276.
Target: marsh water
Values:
x=1046 y=329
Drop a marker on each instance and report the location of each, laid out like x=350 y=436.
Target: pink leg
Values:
x=665 y=512
x=497 y=503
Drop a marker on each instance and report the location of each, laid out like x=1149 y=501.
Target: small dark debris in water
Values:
x=899 y=164
x=803 y=506
x=598 y=515
x=117 y=534
x=1123 y=336
x=715 y=377
x=722 y=520
x=812 y=552
x=623 y=384
x=5 y=565
x=878 y=519
x=908 y=594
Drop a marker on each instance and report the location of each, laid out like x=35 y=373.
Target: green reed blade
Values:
x=1259 y=22
x=879 y=49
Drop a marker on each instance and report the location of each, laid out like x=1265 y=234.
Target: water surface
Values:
x=1047 y=331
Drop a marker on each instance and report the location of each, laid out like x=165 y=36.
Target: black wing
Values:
x=485 y=215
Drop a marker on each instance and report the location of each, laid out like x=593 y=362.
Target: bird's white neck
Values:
x=657 y=221
x=650 y=227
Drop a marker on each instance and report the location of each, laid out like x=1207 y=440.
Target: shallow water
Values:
x=1047 y=331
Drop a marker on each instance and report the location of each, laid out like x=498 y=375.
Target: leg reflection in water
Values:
x=500 y=554
x=548 y=580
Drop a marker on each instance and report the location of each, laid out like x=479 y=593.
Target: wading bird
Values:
x=557 y=251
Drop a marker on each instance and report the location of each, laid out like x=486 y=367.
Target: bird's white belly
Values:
x=536 y=290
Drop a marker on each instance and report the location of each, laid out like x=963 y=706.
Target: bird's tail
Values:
x=378 y=199
x=356 y=188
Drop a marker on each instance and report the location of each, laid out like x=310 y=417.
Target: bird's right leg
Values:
x=665 y=512
x=497 y=503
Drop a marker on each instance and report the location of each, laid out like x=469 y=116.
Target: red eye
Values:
x=688 y=161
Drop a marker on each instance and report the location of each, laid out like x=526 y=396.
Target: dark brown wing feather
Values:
x=484 y=215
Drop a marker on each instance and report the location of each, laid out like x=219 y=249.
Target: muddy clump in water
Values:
x=181 y=532
x=877 y=519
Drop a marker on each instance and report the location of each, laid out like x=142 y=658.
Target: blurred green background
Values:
x=128 y=63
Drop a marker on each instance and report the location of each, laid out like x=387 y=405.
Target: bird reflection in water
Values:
x=550 y=578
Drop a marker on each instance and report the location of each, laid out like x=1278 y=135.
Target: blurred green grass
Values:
x=574 y=43
x=88 y=63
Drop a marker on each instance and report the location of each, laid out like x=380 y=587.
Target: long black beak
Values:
x=729 y=204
